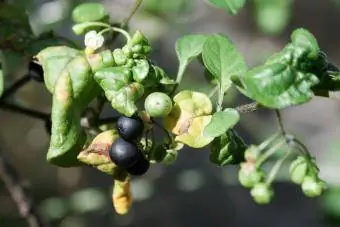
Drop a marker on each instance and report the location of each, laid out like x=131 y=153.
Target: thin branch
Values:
x=107 y=120
x=24 y=111
x=279 y=121
x=14 y=87
x=126 y=21
x=248 y=108
x=12 y=181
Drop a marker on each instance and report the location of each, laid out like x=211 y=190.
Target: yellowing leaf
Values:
x=194 y=136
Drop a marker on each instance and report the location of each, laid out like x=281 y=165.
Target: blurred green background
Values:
x=192 y=191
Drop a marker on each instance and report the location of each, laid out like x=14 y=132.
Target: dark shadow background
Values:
x=192 y=191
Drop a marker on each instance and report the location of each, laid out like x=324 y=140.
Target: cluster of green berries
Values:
x=303 y=171
x=251 y=176
x=124 y=152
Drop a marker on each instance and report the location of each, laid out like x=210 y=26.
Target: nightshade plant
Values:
x=141 y=91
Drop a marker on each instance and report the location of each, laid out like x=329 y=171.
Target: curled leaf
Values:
x=119 y=88
x=227 y=149
x=303 y=38
x=68 y=77
x=97 y=153
x=101 y=60
x=122 y=196
x=190 y=115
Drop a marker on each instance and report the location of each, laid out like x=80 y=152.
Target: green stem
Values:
x=119 y=30
x=179 y=77
x=279 y=121
x=220 y=99
x=270 y=140
x=270 y=152
x=108 y=28
x=137 y=4
x=212 y=93
x=164 y=130
x=275 y=169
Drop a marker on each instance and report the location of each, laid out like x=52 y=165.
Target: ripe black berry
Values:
x=139 y=168
x=35 y=72
x=124 y=154
x=130 y=128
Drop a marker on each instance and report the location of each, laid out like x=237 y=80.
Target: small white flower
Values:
x=93 y=40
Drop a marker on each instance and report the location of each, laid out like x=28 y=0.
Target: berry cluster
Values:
x=124 y=152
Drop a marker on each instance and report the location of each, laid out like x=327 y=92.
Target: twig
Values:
x=248 y=108
x=24 y=111
x=16 y=86
x=126 y=21
x=107 y=120
x=279 y=121
x=12 y=181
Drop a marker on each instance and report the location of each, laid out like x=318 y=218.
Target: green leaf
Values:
x=54 y=60
x=231 y=6
x=119 y=88
x=140 y=70
x=279 y=12
x=303 y=38
x=69 y=78
x=278 y=85
x=222 y=121
x=227 y=149
x=90 y=11
x=222 y=60
x=187 y=48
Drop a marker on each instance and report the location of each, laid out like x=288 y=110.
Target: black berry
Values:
x=35 y=72
x=139 y=168
x=124 y=154
x=130 y=128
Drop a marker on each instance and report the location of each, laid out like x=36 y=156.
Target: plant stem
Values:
x=164 y=130
x=212 y=93
x=126 y=21
x=275 y=169
x=270 y=152
x=280 y=123
x=24 y=111
x=248 y=108
x=14 y=87
x=12 y=181
x=220 y=99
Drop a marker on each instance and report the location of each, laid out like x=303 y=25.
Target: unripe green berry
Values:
x=158 y=104
x=252 y=153
x=298 y=170
x=248 y=180
x=312 y=187
x=262 y=193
